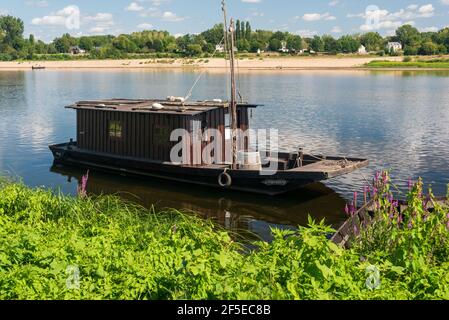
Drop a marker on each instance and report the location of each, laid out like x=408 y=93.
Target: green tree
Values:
x=348 y=44
x=86 y=43
x=294 y=43
x=373 y=41
x=194 y=50
x=428 y=48
x=256 y=45
x=12 y=31
x=158 y=45
x=238 y=30
x=410 y=51
x=64 y=43
x=275 y=44
x=214 y=35
x=330 y=44
x=124 y=44
x=317 y=44
x=408 y=36
x=242 y=30
x=31 y=39
x=243 y=45
x=248 y=31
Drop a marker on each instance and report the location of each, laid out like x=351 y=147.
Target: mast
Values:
x=225 y=26
x=233 y=105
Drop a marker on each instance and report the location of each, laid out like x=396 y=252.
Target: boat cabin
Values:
x=142 y=128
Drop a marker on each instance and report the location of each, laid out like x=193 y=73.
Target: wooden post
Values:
x=225 y=26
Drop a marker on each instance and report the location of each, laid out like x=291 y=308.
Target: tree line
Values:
x=14 y=46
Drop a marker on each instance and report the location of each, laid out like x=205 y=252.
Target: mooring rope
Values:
x=189 y=94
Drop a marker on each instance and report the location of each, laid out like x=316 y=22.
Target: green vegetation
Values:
x=122 y=251
x=408 y=62
x=147 y=44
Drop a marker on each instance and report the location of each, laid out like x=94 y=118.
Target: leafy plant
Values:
x=59 y=247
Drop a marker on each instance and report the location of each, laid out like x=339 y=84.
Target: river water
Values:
x=398 y=120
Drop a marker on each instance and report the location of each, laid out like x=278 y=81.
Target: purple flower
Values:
x=82 y=189
x=390 y=198
x=356 y=230
x=410 y=184
x=391 y=216
x=410 y=225
x=385 y=178
x=377 y=177
x=375 y=191
x=395 y=203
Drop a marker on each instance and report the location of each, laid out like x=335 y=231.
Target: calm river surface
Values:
x=398 y=120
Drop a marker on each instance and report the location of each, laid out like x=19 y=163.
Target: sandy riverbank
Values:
x=287 y=63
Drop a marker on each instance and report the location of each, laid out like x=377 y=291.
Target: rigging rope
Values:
x=189 y=94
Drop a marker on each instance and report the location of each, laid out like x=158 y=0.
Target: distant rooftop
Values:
x=147 y=106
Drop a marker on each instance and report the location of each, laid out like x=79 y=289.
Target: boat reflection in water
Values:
x=251 y=216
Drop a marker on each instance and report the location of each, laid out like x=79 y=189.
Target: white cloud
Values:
x=445 y=2
x=251 y=1
x=376 y=18
x=58 y=18
x=134 y=6
x=171 y=17
x=333 y=3
x=429 y=29
x=146 y=26
x=100 y=22
x=336 y=29
x=317 y=16
x=306 y=33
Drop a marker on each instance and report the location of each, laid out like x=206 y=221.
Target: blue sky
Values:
x=50 y=18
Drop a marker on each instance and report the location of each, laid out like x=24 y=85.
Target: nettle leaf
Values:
x=397 y=270
x=325 y=270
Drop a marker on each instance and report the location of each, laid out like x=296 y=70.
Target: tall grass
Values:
x=430 y=64
x=123 y=251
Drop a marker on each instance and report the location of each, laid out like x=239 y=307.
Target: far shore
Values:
x=215 y=64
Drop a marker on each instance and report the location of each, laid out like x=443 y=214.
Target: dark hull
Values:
x=242 y=180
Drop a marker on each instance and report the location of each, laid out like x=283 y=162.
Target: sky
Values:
x=47 y=19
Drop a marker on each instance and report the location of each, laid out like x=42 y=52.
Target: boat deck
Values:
x=326 y=166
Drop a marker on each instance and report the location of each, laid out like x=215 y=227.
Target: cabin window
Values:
x=115 y=129
x=161 y=134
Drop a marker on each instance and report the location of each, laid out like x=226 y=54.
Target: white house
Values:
x=284 y=48
x=362 y=50
x=394 y=46
x=77 y=50
x=220 y=48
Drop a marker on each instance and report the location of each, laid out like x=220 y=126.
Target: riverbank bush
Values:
x=60 y=247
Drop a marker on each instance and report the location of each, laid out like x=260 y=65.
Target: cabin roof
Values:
x=145 y=106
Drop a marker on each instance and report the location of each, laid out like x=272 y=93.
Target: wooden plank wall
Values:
x=143 y=135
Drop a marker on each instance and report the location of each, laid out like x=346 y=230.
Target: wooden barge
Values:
x=129 y=137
